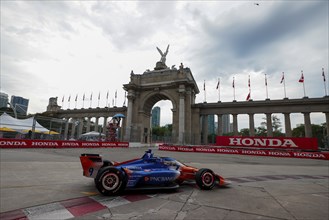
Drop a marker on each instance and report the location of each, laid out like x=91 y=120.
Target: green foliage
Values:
x=162 y=130
x=318 y=131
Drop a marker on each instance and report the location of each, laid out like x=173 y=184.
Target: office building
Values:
x=211 y=124
x=3 y=100
x=20 y=104
x=156 y=116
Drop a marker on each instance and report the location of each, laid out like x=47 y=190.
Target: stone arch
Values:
x=152 y=98
x=145 y=90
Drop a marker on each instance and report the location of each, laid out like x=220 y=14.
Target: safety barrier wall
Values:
x=26 y=143
x=268 y=142
x=246 y=151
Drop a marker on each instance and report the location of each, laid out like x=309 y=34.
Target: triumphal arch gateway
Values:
x=190 y=119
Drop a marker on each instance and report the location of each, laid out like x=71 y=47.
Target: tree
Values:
x=276 y=126
x=318 y=131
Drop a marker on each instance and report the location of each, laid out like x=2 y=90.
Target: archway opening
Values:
x=161 y=121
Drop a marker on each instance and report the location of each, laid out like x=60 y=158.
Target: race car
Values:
x=147 y=172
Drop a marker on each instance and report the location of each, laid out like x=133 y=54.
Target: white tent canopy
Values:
x=21 y=125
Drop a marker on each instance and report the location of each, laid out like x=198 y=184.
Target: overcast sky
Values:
x=69 y=48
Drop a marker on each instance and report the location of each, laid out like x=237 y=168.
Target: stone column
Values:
x=88 y=124
x=80 y=127
x=327 y=122
x=66 y=130
x=104 y=125
x=308 y=127
x=130 y=98
x=181 y=114
x=219 y=125
x=269 y=124
x=205 y=129
x=73 y=128
x=96 y=124
x=235 y=124
x=251 y=124
x=196 y=127
x=287 y=124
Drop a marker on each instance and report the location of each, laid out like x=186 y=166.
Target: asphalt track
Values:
x=48 y=184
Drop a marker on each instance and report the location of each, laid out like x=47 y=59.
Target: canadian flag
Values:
x=248 y=96
x=324 y=77
x=301 y=80
x=282 y=77
x=217 y=87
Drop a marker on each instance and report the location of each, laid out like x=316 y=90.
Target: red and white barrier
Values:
x=253 y=152
x=26 y=143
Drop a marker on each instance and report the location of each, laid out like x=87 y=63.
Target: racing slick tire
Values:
x=110 y=181
x=205 y=179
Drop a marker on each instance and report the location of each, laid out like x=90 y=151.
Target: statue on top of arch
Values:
x=162 y=63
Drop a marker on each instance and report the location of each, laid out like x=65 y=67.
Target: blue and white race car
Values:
x=147 y=172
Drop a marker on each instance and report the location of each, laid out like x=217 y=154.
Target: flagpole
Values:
x=266 y=86
x=324 y=82
x=91 y=99
x=284 y=86
x=69 y=101
x=76 y=99
x=249 y=87
x=233 y=90
x=107 y=98
x=303 y=83
x=83 y=101
x=218 y=89
x=99 y=97
x=124 y=102
x=116 y=95
x=204 y=89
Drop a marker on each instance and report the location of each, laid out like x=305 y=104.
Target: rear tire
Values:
x=205 y=179
x=110 y=181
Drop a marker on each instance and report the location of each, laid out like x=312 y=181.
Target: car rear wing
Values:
x=91 y=163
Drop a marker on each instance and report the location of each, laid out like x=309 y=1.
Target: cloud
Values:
x=77 y=47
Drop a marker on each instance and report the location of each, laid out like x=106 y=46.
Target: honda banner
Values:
x=250 y=152
x=268 y=142
x=27 y=143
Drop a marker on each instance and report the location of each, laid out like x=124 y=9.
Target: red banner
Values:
x=25 y=143
x=251 y=152
x=268 y=142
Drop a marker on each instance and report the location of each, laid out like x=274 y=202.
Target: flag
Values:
x=63 y=99
x=324 y=77
x=83 y=97
x=233 y=83
x=301 y=80
x=99 y=95
x=204 y=85
x=249 y=81
x=107 y=94
x=282 y=77
x=265 y=80
x=76 y=97
x=217 y=87
x=69 y=98
x=116 y=93
x=248 y=96
x=91 y=96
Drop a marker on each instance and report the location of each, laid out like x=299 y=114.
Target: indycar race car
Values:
x=147 y=172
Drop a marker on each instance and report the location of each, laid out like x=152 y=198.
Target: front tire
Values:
x=205 y=179
x=110 y=181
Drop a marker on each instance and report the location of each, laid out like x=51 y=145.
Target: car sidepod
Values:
x=151 y=177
